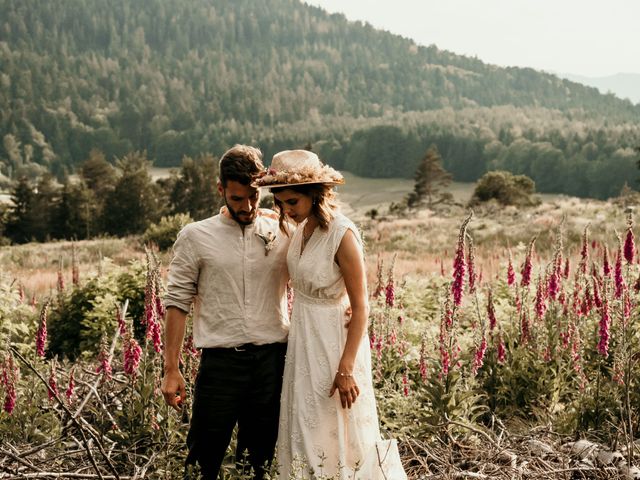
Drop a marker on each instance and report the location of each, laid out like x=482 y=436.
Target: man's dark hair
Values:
x=240 y=164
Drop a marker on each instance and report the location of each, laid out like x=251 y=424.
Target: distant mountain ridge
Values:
x=623 y=85
x=181 y=77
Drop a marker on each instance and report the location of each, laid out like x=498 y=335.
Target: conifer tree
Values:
x=430 y=178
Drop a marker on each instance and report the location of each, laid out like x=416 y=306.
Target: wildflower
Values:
x=122 y=327
x=478 y=358
x=104 y=362
x=9 y=377
x=459 y=264
x=132 y=353
x=41 y=334
x=405 y=384
x=152 y=306
x=20 y=293
x=540 y=304
x=501 y=350
x=393 y=338
x=390 y=293
x=526 y=267
x=552 y=286
x=619 y=279
x=471 y=268
x=629 y=242
x=71 y=386
x=491 y=311
x=511 y=274
x=597 y=300
x=567 y=269
x=52 y=391
x=442 y=268
x=584 y=251
x=524 y=326
x=605 y=324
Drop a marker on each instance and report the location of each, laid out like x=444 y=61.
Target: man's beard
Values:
x=235 y=215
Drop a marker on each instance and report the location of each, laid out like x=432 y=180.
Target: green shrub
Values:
x=506 y=188
x=80 y=317
x=164 y=233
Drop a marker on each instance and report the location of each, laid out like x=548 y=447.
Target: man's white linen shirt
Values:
x=238 y=292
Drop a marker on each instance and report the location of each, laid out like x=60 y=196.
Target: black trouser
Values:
x=236 y=385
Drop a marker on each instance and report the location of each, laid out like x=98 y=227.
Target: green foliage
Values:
x=506 y=188
x=164 y=233
x=194 y=190
x=134 y=202
x=81 y=317
x=177 y=79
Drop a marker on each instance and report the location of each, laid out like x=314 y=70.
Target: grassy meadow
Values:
x=504 y=345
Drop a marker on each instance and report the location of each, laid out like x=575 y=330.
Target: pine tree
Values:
x=134 y=202
x=195 y=191
x=430 y=177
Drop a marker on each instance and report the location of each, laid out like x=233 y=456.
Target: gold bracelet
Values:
x=342 y=374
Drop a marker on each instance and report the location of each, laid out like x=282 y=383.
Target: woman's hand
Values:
x=347 y=388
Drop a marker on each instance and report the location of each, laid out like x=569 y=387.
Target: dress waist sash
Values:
x=304 y=298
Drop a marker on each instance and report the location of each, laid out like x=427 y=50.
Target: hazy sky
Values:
x=583 y=37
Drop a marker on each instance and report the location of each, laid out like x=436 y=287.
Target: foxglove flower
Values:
x=501 y=350
x=478 y=358
x=459 y=266
x=71 y=386
x=629 y=243
x=511 y=274
x=41 y=334
x=603 y=331
x=132 y=354
x=405 y=384
x=104 y=362
x=9 y=376
x=619 y=279
x=540 y=305
x=584 y=251
x=526 y=267
x=491 y=311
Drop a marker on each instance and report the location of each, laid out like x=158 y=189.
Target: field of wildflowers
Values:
x=494 y=356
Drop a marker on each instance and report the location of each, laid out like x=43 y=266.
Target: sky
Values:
x=589 y=37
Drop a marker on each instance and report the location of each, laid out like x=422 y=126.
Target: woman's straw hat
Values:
x=297 y=167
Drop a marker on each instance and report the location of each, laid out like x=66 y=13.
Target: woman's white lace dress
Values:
x=318 y=438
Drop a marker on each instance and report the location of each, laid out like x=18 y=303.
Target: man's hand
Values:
x=174 y=389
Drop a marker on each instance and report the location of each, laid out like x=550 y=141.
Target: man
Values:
x=232 y=268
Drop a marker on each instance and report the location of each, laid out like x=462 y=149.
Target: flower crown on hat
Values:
x=297 y=167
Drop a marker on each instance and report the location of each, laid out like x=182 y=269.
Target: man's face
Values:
x=241 y=201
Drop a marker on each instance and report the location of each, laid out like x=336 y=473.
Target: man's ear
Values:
x=220 y=188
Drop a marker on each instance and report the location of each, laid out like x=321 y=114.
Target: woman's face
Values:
x=297 y=206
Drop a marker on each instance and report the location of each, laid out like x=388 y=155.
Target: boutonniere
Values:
x=269 y=240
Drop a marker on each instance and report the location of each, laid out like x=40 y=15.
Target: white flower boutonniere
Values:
x=269 y=240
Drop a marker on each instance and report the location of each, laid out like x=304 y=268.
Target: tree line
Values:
x=106 y=199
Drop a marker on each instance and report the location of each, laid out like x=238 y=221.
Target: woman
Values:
x=328 y=419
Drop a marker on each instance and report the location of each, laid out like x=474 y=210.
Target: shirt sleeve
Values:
x=182 y=285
